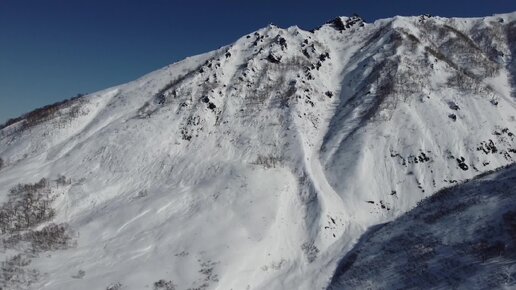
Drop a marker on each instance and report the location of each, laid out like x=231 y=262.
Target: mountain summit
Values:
x=258 y=165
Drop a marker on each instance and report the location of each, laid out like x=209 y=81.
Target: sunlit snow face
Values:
x=258 y=165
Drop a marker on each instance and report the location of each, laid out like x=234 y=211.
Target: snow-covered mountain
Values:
x=462 y=237
x=258 y=165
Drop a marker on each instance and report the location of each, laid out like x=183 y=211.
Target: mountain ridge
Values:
x=280 y=150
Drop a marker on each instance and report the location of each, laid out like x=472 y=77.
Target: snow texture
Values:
x=462 y=237
x=259 y=165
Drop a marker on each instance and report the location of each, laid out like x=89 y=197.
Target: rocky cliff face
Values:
x=258 y=165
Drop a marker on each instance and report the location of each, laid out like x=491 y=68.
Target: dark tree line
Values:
x=42 y=114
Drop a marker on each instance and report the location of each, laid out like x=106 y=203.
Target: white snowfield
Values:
x=258 y=165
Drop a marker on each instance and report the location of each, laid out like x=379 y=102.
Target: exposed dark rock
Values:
x=453 y=106
x=462 y=164
x=274 y=59
x=337 y=24
x=324 y=56
x=283 y=42
x=305 y=53
x=487 y=147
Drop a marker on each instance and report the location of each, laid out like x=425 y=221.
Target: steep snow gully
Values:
x=266 y=164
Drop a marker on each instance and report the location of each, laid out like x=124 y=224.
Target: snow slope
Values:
x=258 y=165
x=462 y=238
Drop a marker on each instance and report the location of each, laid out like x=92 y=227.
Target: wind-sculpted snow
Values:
x=260 y=164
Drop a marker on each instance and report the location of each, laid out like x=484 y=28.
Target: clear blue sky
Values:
x=53 y=49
